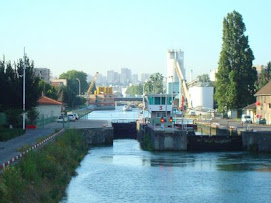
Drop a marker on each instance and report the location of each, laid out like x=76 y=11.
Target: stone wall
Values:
x=98 y=136
x=257 y=141
x=162 y=140
x=214 y=143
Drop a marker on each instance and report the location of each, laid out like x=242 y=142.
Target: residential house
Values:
x=49 y=108
x=263 y=103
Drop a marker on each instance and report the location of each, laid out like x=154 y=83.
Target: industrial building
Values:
x=190 y=95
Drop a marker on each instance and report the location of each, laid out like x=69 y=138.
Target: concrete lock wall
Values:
x=165 y=141
x=256 y=141
x=98 y=136
x=214 y=143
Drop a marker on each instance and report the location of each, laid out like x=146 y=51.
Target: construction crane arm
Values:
x=92 y=83
x=183 y=84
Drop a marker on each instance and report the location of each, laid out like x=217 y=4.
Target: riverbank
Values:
x=43 y=175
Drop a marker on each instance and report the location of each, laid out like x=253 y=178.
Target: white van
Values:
x=246 y=119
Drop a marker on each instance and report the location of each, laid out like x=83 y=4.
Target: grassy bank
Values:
x=42 y=176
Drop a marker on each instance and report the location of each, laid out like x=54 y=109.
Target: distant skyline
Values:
x=103 y=35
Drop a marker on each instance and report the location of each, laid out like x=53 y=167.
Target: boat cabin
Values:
x=159 y=106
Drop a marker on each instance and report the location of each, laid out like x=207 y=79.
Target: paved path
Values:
x=226 y=123
x=9 y=149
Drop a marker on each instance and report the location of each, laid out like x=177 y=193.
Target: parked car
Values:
x=62 y=119
x=76 y=116
x=191 y=113
x=71 y=117
x=246 y=119
x=261 y=121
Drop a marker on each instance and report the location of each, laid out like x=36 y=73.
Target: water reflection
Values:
x=125 y=173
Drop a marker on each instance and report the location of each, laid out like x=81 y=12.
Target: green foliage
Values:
x=135 y=90
x=12 y=185
x=235 y=76
x=73 y=83
x=14 y=117
x=48 y=90
x=43 y=175
x=264 y=77
x=7 y=134
x=155 y=84
x=32 y=115
x=147 y=144
x=204 y=78
x=71 y=91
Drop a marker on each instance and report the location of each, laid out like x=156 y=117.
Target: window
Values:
x=160 y=114
x=169 y=100
x=157 y=100
x=151 y=102
x=269 y=105
x=163 y=100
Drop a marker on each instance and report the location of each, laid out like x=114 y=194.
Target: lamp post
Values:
x=143 y=100
x=24 y=91
x=79 y=86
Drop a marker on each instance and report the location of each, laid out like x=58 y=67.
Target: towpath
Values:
x=10 y=149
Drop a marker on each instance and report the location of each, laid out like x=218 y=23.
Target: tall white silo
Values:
x=173 y=85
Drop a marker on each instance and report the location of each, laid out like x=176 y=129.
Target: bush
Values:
x=7 y=134
x=14 y=117
x=32 y=116
x=42 y=176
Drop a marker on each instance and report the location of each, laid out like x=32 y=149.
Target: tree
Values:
x=155 y=84
x=73 y=83
x=135 y=90
x=12 y=80
x=204 y=78
x=235 y=76
x=48 y=90
x=264 y=77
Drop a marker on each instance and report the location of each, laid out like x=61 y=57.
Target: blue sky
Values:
x=103 y=35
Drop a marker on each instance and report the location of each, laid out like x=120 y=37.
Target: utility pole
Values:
x=24 y=91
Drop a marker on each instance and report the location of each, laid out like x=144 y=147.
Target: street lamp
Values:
x=24 y=91
x=79 y=86
x=143 y=100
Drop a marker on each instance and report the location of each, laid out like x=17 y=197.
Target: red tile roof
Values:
x=265 y=90
x=250 y=106
x=48 y=101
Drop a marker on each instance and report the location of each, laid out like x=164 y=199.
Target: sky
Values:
x=101 y=35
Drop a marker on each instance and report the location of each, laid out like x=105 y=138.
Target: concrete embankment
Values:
x=257 y=141
x=173 y=140
x=162 y=140
x=98 y=136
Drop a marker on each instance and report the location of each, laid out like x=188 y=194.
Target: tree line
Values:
x=11 y=89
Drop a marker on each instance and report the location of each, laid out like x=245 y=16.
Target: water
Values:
x=125 y=173
x=118 y=113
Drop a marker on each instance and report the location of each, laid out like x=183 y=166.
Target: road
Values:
x=9 y=149
x=233 y=123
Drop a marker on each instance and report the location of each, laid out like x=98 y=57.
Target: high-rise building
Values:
x=43 y=73
x=125 y=76
x=110 y=76
x=135 y=79
x=144 y=77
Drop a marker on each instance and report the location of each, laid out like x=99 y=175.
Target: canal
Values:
x=125 y=173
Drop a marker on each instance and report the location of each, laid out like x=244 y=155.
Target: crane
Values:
x=183 y=84
x=92 y=83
